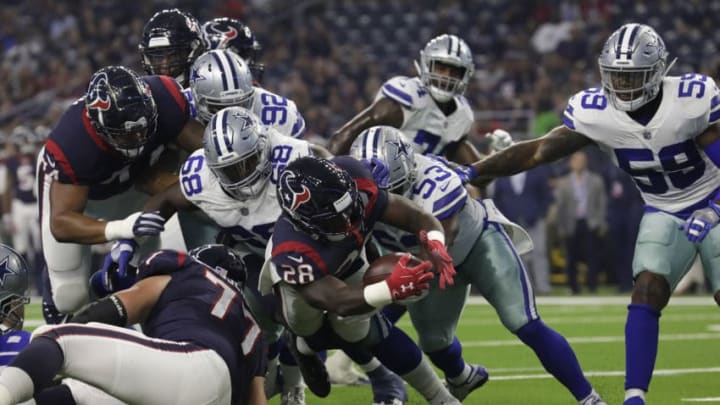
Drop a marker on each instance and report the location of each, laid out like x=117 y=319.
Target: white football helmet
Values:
x=220 y=79
x=633 y=63
x=238 y=152
x=447 y=50
x=388 y=145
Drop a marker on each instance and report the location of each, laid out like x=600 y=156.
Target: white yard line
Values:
x=701 y=300
x=594 y=339
x=706 y=399
x=614 y=373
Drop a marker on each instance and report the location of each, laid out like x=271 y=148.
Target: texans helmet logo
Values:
x=226 y=35
x=293 y=198
x=98 y=93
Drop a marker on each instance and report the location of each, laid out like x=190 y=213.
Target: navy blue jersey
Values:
x=78 y=155
x=10 y=345
x=300 y=259
x=22 y=171
x=200 y=306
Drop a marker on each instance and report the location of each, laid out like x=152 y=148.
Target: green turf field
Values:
x=687 y=369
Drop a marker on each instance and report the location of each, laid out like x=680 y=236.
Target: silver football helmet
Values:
x=13 y=289
x=238 y=152
x=388 y=145
x=453 y=52
x=633 y=63
x=220 y=79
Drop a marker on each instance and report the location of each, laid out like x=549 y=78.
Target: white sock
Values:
x=291 y=377
x=462 y=377
x=426 y=382
x=634 y=392
x=372 y=365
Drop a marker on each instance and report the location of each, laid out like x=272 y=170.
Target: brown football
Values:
x=383 y=266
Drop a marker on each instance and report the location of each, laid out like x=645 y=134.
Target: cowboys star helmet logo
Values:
x=292 y=197
x=98 y=93
x=400 y=148
x=6 y=271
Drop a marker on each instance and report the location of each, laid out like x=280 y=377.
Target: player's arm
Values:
x=67 y=221
x=169 y=201
x=126 y=307
x=331 y=294
x=159 y=176
x=405 y=215
x=523 y=156
x=190 y=137
x=463 y=152
x=383 y=111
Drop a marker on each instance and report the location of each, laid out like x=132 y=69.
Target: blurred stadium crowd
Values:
x=331 y=56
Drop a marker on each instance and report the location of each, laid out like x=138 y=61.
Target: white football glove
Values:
x=500 y=140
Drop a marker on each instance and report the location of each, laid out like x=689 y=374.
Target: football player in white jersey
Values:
x=662 y=130
x=429 y=109
x=221 y=78
x=485 y=257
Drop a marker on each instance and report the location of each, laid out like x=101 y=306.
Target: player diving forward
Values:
x=663 y=132
x=486 y=258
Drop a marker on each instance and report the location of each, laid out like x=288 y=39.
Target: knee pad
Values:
x=433 y=341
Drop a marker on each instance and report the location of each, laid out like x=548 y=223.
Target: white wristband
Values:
x=436 y=235
x=377 y=295
x=121 y=229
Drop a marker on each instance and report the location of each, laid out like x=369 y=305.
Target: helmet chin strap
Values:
x=670 y=65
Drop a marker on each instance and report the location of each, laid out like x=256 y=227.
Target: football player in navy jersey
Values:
x=105 y=148
x=316 y=260
x=201 y=344
x=171 y=41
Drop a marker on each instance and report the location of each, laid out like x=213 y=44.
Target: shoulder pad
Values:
x=583 y=108
x=194 y=175
x=406 y=91
x=698 y=94
x=162 y=262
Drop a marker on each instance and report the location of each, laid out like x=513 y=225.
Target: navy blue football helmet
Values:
x=320 y=198
x=171 y=40
x=222 y=259
x=231 y=34
x=121 y=109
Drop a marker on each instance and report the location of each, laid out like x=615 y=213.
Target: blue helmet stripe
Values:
x=633 y=34
x=226 y=137
x=215 y=138
x=620 y=41
x=224 y=74
x=235 y=73
x=376 y=140
x=450 y=45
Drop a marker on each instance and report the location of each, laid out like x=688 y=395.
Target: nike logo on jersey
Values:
x=444 y=187
x=296 y=259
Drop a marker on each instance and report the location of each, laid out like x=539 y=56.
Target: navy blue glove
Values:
x=148 y=224
x=117 y=273
x=380 y=172
x=701 y=222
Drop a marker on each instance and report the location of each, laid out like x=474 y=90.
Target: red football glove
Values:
x=440 y=259
x=405 y=281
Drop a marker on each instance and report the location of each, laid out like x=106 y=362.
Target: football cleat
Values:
x=478 y=377
x=341 y=371
x=311 y=367
x=296 y=396
x=593 y=399
x=388 y=388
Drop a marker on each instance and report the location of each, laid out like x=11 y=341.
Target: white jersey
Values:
x=250 y=221
x=427 y=128
x=438 y=190
x=278 y=112
x=273 y=110
x=669 y=169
